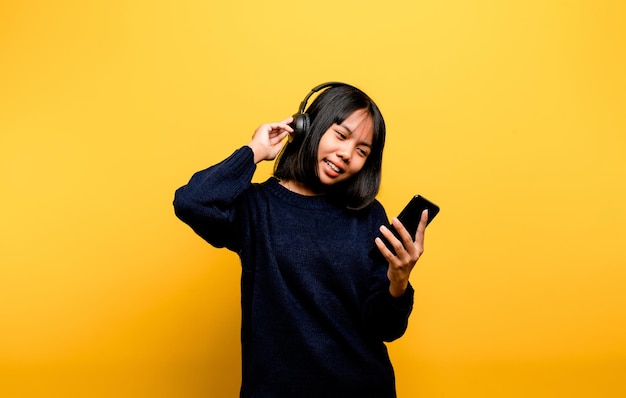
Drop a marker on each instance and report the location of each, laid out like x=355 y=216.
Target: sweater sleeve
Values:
x=207 y=203
x=387 y=317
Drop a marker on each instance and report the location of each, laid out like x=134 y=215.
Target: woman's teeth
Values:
x=333 y=167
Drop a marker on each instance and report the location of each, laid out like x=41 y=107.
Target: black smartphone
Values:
x=410 y=218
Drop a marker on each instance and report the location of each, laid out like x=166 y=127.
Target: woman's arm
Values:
x=207 y=203
x=390 y=301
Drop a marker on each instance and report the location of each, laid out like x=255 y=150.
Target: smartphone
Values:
x=410 y=218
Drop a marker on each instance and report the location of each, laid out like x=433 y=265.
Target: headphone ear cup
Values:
x=300 y=124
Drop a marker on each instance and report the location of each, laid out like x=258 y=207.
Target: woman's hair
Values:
x=298 y=159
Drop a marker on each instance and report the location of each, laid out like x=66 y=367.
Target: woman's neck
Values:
x=298 y=187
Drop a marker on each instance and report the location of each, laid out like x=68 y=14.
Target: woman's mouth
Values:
x=333 y=167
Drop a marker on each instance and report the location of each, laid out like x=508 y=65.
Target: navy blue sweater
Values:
x=316 y=309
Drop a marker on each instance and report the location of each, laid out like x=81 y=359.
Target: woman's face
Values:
x=344 y=148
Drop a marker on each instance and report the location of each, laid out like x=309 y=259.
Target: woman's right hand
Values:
x=268 y=139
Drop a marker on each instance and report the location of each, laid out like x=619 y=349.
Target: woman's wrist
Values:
x=256 y=152
x=397 y=290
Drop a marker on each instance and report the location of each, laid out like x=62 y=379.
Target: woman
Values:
x=316 y=310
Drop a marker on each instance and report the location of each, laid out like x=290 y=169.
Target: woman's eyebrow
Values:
x=347 y=128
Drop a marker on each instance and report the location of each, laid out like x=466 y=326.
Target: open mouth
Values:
x=333 y=167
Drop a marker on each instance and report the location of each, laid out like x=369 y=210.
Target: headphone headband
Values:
x=301 y=122
x=316 y=89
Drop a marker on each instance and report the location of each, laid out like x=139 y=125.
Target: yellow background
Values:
x=508 y=114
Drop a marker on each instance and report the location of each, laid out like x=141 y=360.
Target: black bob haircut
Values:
x=298 y=159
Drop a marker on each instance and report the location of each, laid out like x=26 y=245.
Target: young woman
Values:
x=316 y=309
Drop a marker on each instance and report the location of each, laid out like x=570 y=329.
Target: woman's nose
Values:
x=344 y=153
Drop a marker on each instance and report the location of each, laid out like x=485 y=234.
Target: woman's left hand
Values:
x=408 y=251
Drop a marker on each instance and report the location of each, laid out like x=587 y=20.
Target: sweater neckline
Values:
x=310 y=202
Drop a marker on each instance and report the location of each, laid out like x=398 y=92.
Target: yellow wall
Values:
x=509 y=115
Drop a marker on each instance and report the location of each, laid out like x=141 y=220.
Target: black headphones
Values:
x=301 y=122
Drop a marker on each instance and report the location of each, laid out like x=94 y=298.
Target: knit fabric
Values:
x=316 y=309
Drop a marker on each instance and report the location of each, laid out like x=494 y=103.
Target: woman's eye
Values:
x=362 y=152
x=340 y=134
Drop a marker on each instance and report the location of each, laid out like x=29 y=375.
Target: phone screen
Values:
x=410 y=218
